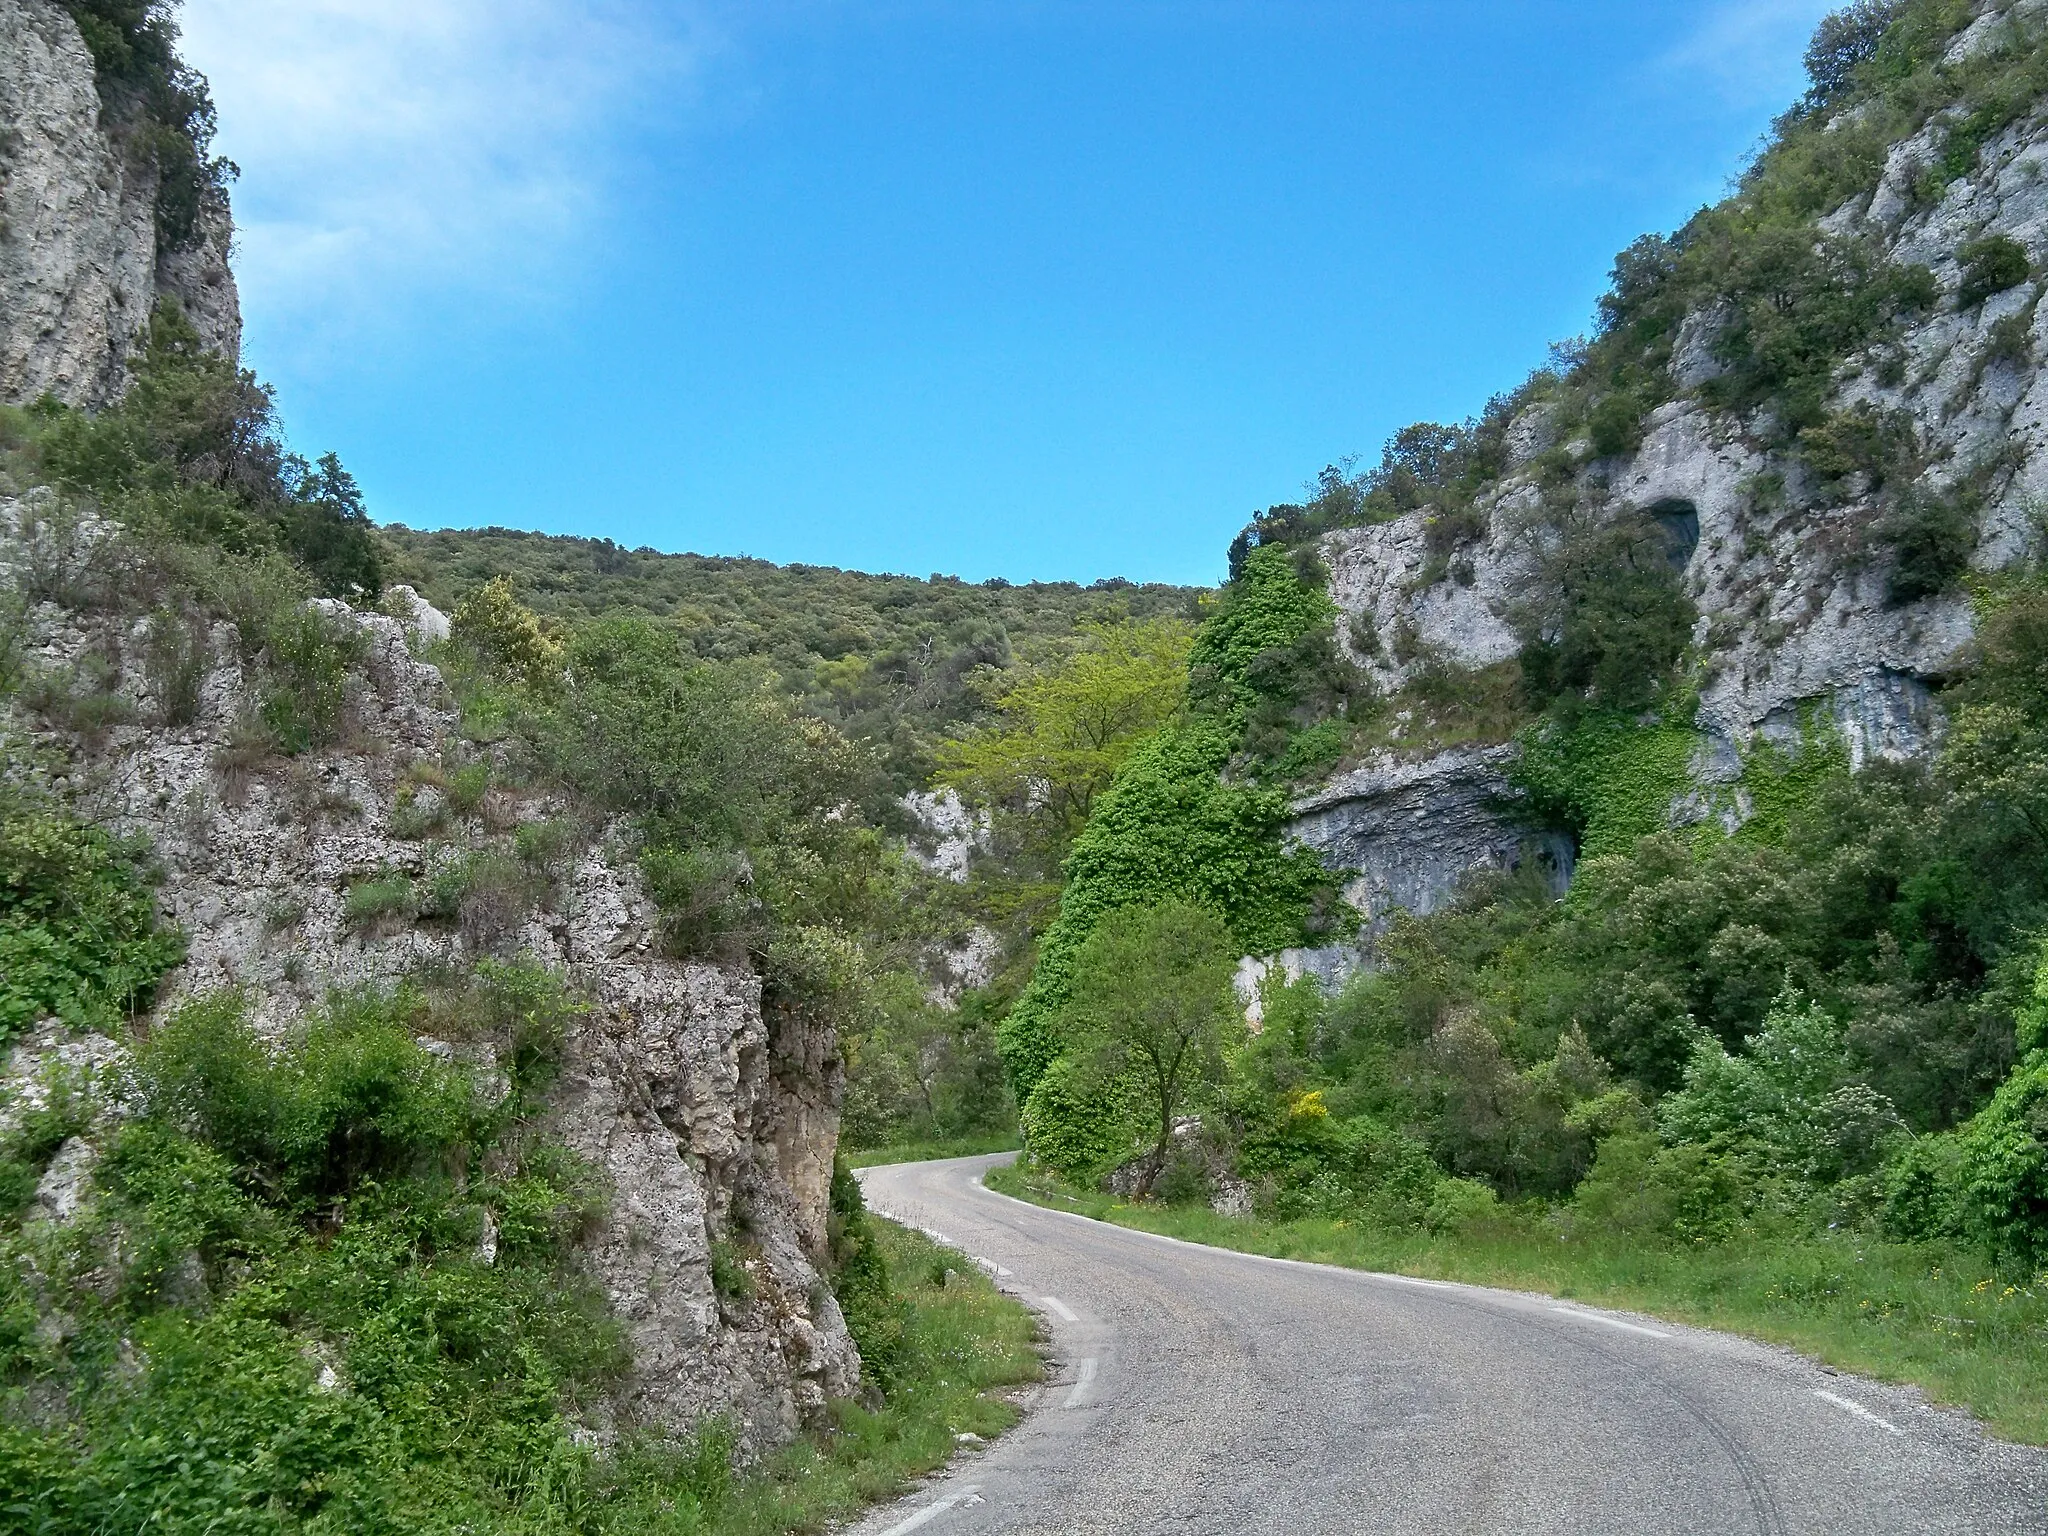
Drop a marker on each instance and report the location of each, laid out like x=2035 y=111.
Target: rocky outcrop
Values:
x=1411 y=832
x=1796 y=624
x=81 y=265
x=710 y=1122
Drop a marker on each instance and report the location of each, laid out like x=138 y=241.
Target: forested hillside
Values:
x=894 y=661
x=1729 y=625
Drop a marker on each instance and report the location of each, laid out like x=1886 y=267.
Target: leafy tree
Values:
x=505 y=636
x=1610 y=616
x=1845 y=40
x=1991 y=266
x=1063 y=729
x=1152 y=1000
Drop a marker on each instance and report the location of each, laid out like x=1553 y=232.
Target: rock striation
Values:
x=81 y=264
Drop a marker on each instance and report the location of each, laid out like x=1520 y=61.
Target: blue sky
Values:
x=1038 y=289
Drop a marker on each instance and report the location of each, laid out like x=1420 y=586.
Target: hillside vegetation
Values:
x=896 y=662
x=333 y=1279
x=1812 y=1036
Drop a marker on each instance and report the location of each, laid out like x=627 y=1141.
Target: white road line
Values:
x=1081 y=1384
x=1063 y=1309
x=1611 y=1322
x=991 y=1266
x=1859 y=1410
x=932 y=1512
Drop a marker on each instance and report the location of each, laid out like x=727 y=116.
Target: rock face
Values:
x=711 y=1122
x=1795 y=622
x=81 y=266
x=1411 y=832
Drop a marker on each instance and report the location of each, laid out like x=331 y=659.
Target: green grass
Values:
x=967 y=1344
x=1944 y=1320
x=932 y=1151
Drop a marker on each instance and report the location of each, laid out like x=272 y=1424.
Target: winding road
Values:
x=1197 y=1390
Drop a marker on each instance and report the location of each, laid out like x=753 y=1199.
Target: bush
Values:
x=1458 y=1204
x=307 y=657
x=1079 y=1124
x=1991 y=266
x=1923 y=1190
x=1930 y=536
x=1610 y=618
x=379 y=903
x=2003 y=1163
x=1615 y=425
x=505 y=636
x=191 y=458
x=79 y=936
x=289 y=1239
x=875 y=1315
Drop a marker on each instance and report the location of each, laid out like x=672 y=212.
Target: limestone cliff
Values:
x=707 y=1121
x=82 y=261
x=1797 y=620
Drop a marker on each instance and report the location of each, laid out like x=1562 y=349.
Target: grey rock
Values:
x=708 y=1118
x=1410 y=833
x=66 y=1183
x=1795 y=619
x=80 y=265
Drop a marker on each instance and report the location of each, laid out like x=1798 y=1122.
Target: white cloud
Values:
x=1750 y=51
x=393 y=146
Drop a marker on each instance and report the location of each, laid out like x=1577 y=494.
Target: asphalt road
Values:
x=1198 y=1390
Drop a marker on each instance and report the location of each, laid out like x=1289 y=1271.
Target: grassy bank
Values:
x=967 y=1343
x=931 y=1151
x=1941 y=1319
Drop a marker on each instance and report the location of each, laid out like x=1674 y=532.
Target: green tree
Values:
x=1152 y=1001
x=1065 y=727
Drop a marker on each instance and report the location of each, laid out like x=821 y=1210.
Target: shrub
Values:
x=79 y=937
x=505 y=636
x=2003 y=1164
x=875 y=1315
x=1615 y=425
x=1930 y=536
x=485 y=893
x=272 y=1217
x=380 y=903
x=1609 y=619
x=1458 y=1204
x=1991 y=266
x=544 y=847
x=308 y=655
x=175 y=659
x=1080 y=1124
x=191 y=458
x=1789 y=1093
x=1923 y=1190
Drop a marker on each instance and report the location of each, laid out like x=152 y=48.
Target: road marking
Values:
x=1081 y=1384
x=932 y=1512
x=1611 y=1322
x=991 y=1266
x=1063 y=1309
x=1859 y=1410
